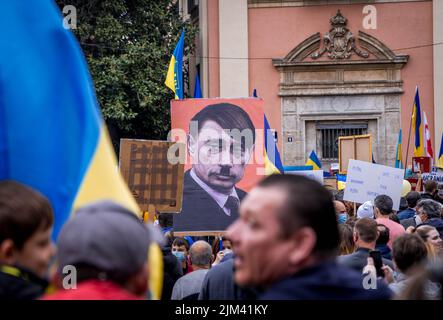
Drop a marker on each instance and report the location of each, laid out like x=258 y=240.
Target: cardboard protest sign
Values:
x=367 y=180
x=331 y=182
x=354 y=147
x=224 y=159
x=316 y=175
x=153 y=174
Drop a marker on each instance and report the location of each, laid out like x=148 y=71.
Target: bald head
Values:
x=201 y=254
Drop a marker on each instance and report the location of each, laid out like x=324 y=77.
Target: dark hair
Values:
x=178 y=242
x=383 y=203
x=431 y=186
x=347 y=245
x=228 y=116
x=430 y=207
x=308 y=204
x=383 y=234
x=23 y=211
x=216 y=245
x=366 y=229
x=412 y=198
x=393 y=216
x=403 y=204
x=85 y=272
x=165 y=220
x=408 y=251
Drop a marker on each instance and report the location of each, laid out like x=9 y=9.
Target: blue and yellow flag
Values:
x=440 y=155
x=272 y=158
x=174 y=78
x=398 y=157
x=273 y=162
x=197 y=89
x=313 y=161
x=417 y=128
x=52 y=135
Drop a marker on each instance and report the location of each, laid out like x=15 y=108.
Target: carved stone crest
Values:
x=339 y=42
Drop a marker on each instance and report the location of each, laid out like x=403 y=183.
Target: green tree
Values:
x=128 y=45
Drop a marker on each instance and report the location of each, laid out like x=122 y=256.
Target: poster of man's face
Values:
x=224 y=139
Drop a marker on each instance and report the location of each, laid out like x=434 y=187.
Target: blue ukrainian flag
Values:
x=174 y=77
x=398 y=157
x=273 y=162
x=417 y=128
x=313 y=161
x=197 y=89
x=52 y=135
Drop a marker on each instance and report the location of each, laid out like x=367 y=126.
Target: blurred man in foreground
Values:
x=286 y=242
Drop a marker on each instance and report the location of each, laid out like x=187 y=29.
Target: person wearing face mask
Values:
x=180 y=249
x=427 y=210
x=341 y=212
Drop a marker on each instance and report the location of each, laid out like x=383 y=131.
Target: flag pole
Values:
x=409 y=134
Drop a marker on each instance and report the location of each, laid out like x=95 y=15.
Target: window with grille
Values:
x=193 y=8
x=328 y=135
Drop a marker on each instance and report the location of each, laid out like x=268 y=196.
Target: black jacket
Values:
x=219 y=284
x=410 y=222
x=359 y=259
x=326 y=281
x=19 y=284
x=172 y=271
x=200 y=212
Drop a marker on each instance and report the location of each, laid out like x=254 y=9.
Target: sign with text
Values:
x=311 y=174
x=367 y=180
x=436 y=176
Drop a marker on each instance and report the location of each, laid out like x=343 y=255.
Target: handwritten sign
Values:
x=367 y=180
x=436 y=176
x=311 y=174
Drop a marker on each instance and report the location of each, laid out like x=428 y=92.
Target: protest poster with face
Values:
x=224 y=159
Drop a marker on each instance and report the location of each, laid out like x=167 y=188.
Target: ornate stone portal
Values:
x=338 y=89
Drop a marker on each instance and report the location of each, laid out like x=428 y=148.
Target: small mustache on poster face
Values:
x=224 y=171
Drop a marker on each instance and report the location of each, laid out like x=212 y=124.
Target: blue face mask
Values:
x=342 y=217
x=180 y=255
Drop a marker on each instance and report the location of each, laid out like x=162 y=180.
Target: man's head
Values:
x=286 y=223
x=200 y=255
x=180 y=249
x=106 y=241
x=340 y=210
x=165 y=220
x=383 y=234
x=383 y=205
x=365 y=233
x=431 y=186
x=408 y=251
x=412 y=198
x=428 y=209
x=26 y=220
x=220 y=142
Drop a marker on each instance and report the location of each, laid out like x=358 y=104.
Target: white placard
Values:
x=367 y=180
x=312 y=174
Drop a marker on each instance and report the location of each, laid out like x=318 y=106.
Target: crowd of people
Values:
x=294 y=239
